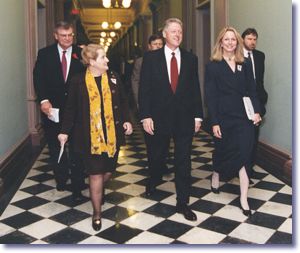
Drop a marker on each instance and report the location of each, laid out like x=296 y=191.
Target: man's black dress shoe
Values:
x=186 y=211
x=60 y=187
x=150 y=190
x=96 y=224
x=77 y=197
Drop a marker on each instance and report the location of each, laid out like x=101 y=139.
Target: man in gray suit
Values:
x=155 y=42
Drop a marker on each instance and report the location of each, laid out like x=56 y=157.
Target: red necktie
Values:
x=174 y=72
x=64 y=65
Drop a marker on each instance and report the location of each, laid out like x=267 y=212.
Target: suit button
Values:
x=66 y=94
x=115 y=107
x=117 y=122
x=113 y=91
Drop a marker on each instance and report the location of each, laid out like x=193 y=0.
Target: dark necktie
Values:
x=64 y=65
x=174 y=72
x=250 y=59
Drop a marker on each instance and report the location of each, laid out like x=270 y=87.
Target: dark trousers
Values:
x=182 y=162
x=70 y=161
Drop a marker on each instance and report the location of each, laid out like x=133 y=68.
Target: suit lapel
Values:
x=163 y=66
x=183 y=66
x=57 y=62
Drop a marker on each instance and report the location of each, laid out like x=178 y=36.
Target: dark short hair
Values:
x=249 y=31
x=63 y=25
x=154 y=37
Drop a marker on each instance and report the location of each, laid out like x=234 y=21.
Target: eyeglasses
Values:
x=71 y=35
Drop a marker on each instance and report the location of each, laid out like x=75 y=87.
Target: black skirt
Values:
x=100 y=164
x=234 y=149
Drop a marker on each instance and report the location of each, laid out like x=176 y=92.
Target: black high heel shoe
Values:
x=96 y=224
x=215 y=190
x=247 y=213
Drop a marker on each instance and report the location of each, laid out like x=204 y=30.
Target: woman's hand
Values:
x=63 y=138
x=217 y=131
x=128 y=128
x=256 y=119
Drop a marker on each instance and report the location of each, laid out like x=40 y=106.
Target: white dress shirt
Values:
x=246 y=54
x=168 y=54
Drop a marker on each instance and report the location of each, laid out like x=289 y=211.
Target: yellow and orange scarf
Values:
x=98 y=144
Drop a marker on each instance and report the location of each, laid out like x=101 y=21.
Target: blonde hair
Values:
x=89 y=52
x=217 y=52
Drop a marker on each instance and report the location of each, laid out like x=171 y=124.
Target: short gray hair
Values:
x=172 y=20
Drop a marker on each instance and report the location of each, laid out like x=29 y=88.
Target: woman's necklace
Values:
x=230 y=58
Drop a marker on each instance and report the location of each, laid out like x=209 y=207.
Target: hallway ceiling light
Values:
x=112 y=34
x=108 y=4
x=103 y=34
x=117 y=25
x=104 y=25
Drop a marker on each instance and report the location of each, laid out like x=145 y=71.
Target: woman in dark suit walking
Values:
x=228 y=79
x=97 y=115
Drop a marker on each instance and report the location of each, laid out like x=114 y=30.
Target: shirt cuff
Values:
x=198 y=119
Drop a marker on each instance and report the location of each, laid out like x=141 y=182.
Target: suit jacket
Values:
x=170 y=112
x=135 y=78
x=259 y=65
x=224 y=91
x=77 y=112
x=48 y=77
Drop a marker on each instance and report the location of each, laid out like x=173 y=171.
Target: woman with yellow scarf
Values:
x=96 y=118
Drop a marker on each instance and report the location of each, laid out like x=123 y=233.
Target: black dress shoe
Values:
x=215 y=190
x=96 y=224
x=61 y=187
x=186 y=211
x=150 y=190
x=247 y=213
x=77 y=197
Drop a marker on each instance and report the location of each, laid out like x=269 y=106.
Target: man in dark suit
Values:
x=170 y=107
x=55 y=66
x=257 y=58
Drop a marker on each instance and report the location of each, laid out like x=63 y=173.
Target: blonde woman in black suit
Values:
x=228 y=79
x=97 y=117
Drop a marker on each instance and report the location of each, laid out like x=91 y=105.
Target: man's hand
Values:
x=63 y=138
x=217 y=131
x=128 y=128
x=148 y=126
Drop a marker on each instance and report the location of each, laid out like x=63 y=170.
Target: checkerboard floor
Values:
x=38 y=214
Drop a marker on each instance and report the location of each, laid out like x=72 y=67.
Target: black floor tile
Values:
x=266 y=220
x=16 y=237
x=232 y=240
x=206 y=206
x=170 y=229
x=68 y=201
x=282 y=198
x=41 y=177
x=115 y=184
x=70 y=217
x=220 y=225
x=198 y=192
x=119 y=233
x=280 y=238
x=66 y=236
x=21 y=220
x=30 y=202
x=117 y=213
x=116 y=197
x=268 y=186
x=36 y=189
x=161 y=210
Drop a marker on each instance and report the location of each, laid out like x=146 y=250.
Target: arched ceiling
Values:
x=92 y=14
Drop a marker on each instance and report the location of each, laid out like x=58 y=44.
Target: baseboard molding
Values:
x=275 y=162
x=14 y=167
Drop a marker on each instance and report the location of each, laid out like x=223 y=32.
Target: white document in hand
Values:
x=60 y=152
x=54 y=115
x=249 y=108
